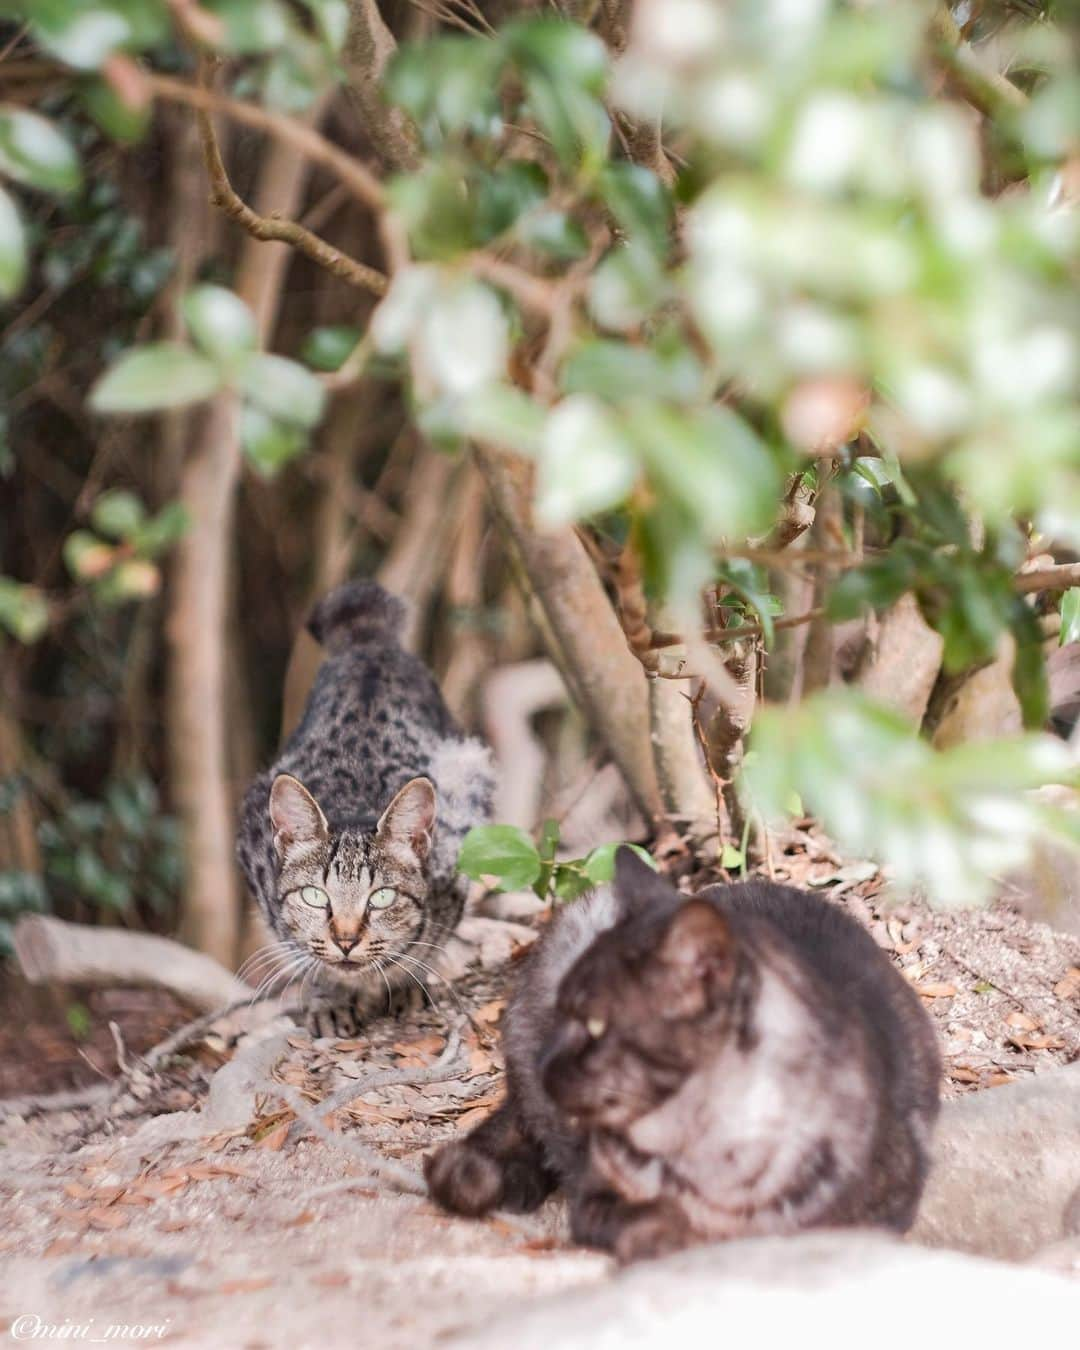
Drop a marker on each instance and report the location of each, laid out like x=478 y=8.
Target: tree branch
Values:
x=1058 y=578
x=291 y=232
x=360 y=181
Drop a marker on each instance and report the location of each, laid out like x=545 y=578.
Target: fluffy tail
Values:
x=358 y=611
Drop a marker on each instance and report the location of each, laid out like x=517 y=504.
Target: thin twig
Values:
x=315 y=147
x=224 y=196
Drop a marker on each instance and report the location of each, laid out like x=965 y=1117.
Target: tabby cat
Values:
x=744 y=1061
x=349 y=842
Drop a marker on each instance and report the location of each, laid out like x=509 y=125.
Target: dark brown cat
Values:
x=745 y=1061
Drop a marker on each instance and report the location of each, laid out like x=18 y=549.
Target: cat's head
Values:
x=354 y=898
x=641 y=1006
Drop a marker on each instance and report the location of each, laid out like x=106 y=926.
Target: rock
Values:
x=514 y=906
x=1047 y=889
x=1006 y=1168
x=845 y=1289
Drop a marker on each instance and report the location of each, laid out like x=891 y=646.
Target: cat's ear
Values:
x=410 y=818
x=637 y=886
x=698 y=948
x=295 y=815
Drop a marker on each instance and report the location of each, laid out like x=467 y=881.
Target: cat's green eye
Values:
x=315 y=896
x=383 y=898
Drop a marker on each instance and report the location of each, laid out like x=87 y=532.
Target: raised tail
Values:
x=358 y=611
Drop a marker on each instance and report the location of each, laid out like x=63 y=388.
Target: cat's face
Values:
x=640 y=1008
x=354 y=901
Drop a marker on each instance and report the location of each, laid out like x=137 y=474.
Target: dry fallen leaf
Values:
x=937 y=990
x=249 y=1286
x=61 y=1246
x=330 y=1279
x=1022 y=1020
x=490 y=1013
x=1069 y=984
x=1000 y=1079
x=962 y=1074
x=274 y=1139
x=468 y=1119
x=106 y=1219
x=1031 y=1040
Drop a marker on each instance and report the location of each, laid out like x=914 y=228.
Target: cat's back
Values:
x=864 y=981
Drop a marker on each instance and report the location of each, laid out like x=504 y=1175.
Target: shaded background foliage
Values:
x=801 y=370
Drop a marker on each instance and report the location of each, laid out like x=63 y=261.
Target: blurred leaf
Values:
x=502 y=415
x=221 y=324
x=611 y=369
x=284 y=389
x=154 y=536
x=332 y=18
x=1070 y=616
x=77 y=1016
x=555 y=233
x=117 y=514
x=626 y=287
x=115 y=117
x=328 y=348
x=23 y=610
x=87 y=556
x=251 y=25
x=504 y=194
x=639 y=202
x=570 y=882
x=151 y=378
x=599 y=866
x=33 y=152
x=586 y=463
x=269 y=442
x=501 y=851
x=12 y=248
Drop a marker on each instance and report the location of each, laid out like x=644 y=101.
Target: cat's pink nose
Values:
x=346 y=943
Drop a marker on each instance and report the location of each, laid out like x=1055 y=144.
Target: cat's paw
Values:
x=464 y=1180
x=651 y=1231
x=338 y=1021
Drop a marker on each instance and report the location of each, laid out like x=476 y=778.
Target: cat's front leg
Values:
x=345 y=1014
x=497 y=1166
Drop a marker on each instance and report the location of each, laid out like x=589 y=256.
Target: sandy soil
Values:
x=265 y=1218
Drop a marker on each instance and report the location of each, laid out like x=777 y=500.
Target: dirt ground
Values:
x=306 y=1223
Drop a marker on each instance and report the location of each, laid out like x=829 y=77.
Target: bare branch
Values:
x=361 y=182
x=291 y=232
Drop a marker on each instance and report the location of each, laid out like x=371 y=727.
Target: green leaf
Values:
x=151 y=378
x=87 y=556
x=328 y=348
x=732 y=859
x=586 y=463
x=503 y=195
x=549 y=843
x=570 y=881
x=446 y=85
x=269 y=442
x=23 y=610
x=505 y=416
x=80 y=35
x=555 y=233
x=599 y=866
x=612 y=370
x=565 y=52
x=251 y=25
x=1070 y=616
x=33 y=152
x=117 y=514
x=284 y=389
x=115 y=117
x=155 y=536
x=501 y=851
x=12 y=248
x=875 y=585
x=332 y=19
x=639 y=202
x=221 y=324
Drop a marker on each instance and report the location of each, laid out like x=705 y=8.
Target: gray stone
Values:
x=1006 y=1168
x=847 y=1290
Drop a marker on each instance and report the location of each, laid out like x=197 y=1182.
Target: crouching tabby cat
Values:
x=349 y=842
x=746 y=1061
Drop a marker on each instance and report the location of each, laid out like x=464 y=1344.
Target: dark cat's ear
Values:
x=410 y=818
x=295 y=815
x=637 y=886
x=697 y=948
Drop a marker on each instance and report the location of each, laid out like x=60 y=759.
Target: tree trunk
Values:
x=197 y=623
x=606 y=681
